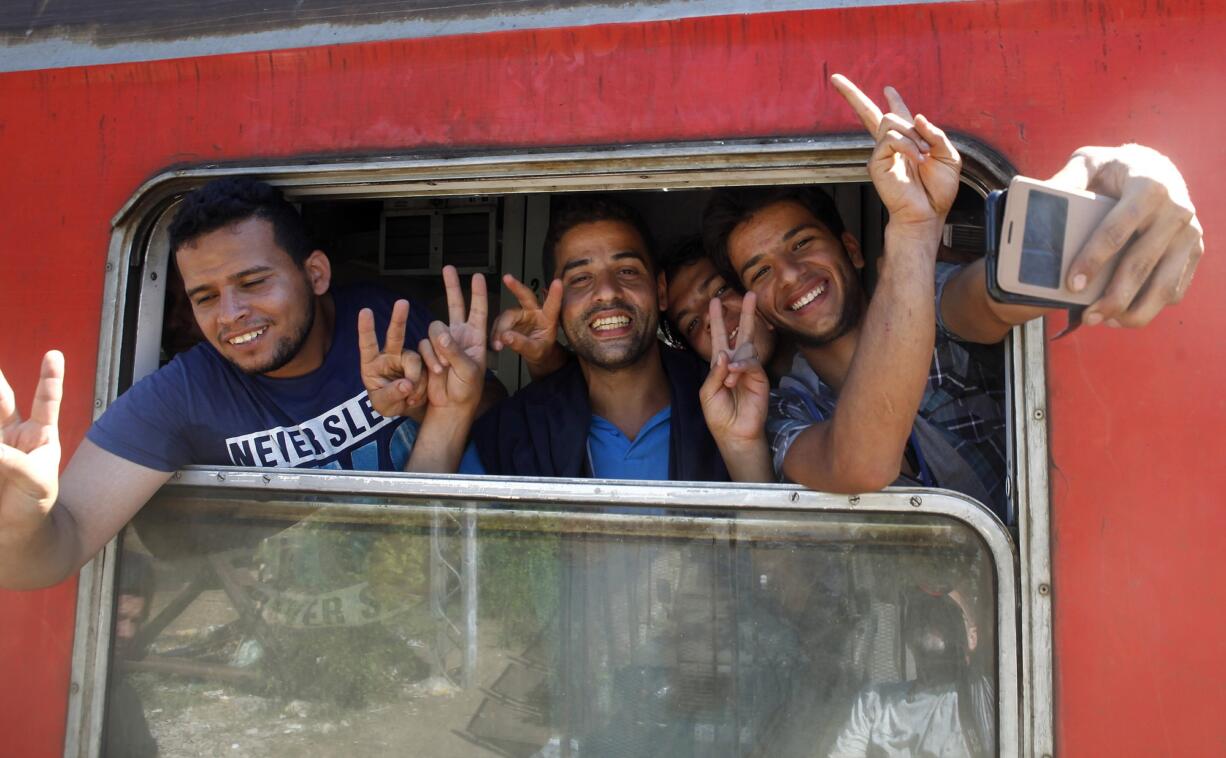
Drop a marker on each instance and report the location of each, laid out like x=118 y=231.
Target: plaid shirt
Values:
x=964 y=401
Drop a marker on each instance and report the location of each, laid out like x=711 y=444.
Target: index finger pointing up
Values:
x=50 y=390
x=897 y=105
x=479 y=311
x=744 y=331
x=522 y=293
x=455 y=295
x=867 y=111
x=8 y=404
x=553 y=301
x=719 y=335
x=396 y=328
x=368 y=343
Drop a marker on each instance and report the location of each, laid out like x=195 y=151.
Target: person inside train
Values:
x=948 y=708
x=626 y=406
x=278 y=382
x=888 y=388
x=693 y=282
x=127 y=731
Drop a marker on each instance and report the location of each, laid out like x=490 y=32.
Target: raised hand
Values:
x=455 y=353
x=1153 y=229
x=915 y=168
x=30 y=451
x=531 y=330
x=394 y=377
x=736 y=392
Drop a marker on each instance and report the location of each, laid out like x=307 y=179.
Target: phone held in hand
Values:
x=1034 y=231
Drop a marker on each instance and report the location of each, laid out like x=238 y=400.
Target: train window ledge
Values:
x=441 y=541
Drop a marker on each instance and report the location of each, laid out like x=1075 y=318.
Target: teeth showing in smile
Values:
x=807 y=298
x=244 y=338
x=732 y=336
x=610 y=322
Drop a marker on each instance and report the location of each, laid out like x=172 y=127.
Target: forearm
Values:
x=42 y=557
x=553 y=359
x=747 y=461
x=889 y=371
x=973 y=315
x=440 y=441
x=862 y=445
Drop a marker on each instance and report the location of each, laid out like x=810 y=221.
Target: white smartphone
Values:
x=1040 y=232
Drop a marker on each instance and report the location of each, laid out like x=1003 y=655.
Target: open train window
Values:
x=286 y=609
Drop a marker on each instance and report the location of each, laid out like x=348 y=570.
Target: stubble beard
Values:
x=849 y=318
x=287 y=347
x=611 y=357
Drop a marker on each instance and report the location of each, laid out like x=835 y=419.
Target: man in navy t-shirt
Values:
x=282 y=379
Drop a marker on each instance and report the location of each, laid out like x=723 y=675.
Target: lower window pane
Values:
x=299 y=627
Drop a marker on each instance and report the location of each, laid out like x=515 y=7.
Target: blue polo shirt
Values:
x=612 y=455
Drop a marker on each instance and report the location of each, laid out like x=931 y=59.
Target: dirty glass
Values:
x=320 y=626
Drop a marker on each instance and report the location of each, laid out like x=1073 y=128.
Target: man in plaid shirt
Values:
x=897 y=388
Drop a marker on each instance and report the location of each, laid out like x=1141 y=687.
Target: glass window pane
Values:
x=301 y=627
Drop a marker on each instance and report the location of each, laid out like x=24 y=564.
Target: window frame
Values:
x=133 y=294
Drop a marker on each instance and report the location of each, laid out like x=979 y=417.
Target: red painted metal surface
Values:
x=1136 y=417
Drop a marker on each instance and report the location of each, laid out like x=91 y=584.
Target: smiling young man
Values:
x=693 y=281
x=890 y=387
x=628 y=406
x=276 y=383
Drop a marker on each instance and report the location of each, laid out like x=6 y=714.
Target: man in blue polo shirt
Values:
x=626 y=406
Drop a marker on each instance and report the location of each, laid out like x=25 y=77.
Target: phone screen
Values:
x=1043 y=240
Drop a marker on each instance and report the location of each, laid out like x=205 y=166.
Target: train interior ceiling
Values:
x=402 y=243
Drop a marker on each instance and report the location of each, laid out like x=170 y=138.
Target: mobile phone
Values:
x=1034 y=231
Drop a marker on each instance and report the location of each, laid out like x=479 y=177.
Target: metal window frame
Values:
x=826 y=159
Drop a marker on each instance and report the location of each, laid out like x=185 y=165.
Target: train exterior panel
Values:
x=1135 y=419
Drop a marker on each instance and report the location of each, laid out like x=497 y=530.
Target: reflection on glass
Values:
x=315 y=629
x=1043 y=240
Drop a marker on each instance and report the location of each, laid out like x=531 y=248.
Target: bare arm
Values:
x=915 y=170
x=861 y=447
x=1153 y=229
x=454 y=356
x=51 y=525
x=99 y=493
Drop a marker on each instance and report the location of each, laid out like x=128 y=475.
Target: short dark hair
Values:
x=231 y=199
x=136 y=575
x=587 y=209
x=729 y=207
x=686 y=252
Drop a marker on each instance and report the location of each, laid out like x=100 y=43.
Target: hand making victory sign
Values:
x=531 y=330
x=735 y=395
x=455 y=353
x=394 y=377
x=30 y=451
x=915 y=168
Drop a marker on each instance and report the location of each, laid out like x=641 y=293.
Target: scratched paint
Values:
x=1135 y=417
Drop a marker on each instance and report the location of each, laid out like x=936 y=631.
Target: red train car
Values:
x=457 y=125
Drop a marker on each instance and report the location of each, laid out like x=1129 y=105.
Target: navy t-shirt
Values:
x=202 y=409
